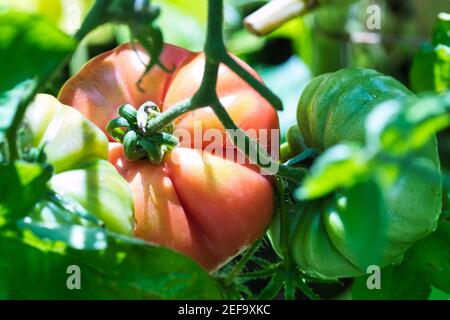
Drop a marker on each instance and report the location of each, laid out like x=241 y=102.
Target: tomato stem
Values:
x=241 y=264
x=165 y=118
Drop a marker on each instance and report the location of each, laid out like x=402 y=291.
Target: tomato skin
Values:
x=78 y=152
x=109 y=80
x=246 y=107
x=197 y=203
x=333 y=108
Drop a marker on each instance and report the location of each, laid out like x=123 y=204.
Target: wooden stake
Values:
x=274 y=14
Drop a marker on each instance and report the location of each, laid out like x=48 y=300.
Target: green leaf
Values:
x=397 y=283
x=273 y=287
x=441 y=29
x=425 y=265
x=60 y=218
x=431 y=257
x=438 y=295
x=340 y=166
x=430 y=70
x=25 y=52
x=356 y=222
x=401 y=127
x=30 y=50
x=10 y=101
x=127 y=269
x=23 y=184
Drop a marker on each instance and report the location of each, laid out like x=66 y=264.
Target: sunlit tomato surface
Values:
x=200 y=204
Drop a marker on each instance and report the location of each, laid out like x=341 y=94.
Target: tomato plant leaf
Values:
x=128 y=268
x=355 y=223
x=441 y=29
x=401 y=127
x=25 y=185
x=60 y=218
x=396 y=283
x=273 y=287
x=431 y=257
x=437 y=294
x=26 y=58
x=425 y=265
x=340 y=166
x=430 y=69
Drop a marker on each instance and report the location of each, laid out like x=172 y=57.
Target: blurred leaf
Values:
x=397 y=283
x=438 y=295
x=188 y=31
x=75 y=236
x=67 y=15
x=26 y=59
x=10 y=101
x=242 y=42
x=426 y=264
x=359 y=213
x=23 y=184
x=402 y=128
x=127 y=269
x=24 y=52
x=340 y=166
x=287 y=80
x=441 y=29
x=183 y=22
x=430 y=70
x=196 y=9
x=63 y=219
x=431 y=257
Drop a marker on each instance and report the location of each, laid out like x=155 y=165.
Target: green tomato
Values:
x=332 y=109
x=98 y=187
x=294 y=144
x=78 y=151
x=68 y=137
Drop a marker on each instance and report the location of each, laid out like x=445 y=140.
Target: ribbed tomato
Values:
x=204 y=205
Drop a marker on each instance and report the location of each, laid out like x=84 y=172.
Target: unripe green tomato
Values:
x=69 y=138
x=98 y=187
x=78 y=151
x=294 y=144
x=332 y=109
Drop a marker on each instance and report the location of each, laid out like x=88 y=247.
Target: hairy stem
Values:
x=241 y=264
x=165 y=118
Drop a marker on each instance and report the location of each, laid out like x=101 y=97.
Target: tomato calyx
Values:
x=132 y=129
